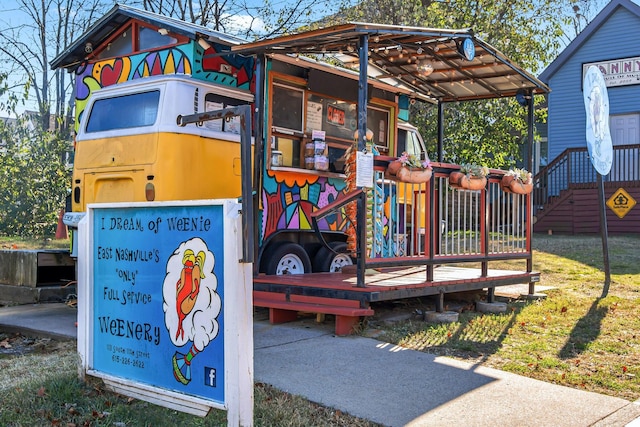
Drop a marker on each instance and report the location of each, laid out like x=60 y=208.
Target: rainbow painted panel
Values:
x=188 y=59
x=289 y=198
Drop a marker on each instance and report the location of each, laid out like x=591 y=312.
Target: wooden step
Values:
x=281 y=310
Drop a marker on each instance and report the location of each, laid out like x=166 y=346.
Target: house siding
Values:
x=617 y=37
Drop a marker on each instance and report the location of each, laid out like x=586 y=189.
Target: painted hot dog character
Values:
x=188 y=286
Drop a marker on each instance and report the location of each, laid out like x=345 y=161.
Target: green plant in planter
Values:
x=522 y=174
x=473 y=170
x=413 y=161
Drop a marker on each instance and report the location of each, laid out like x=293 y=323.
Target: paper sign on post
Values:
x=364 y=169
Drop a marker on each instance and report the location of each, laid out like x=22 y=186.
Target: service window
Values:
x=124 y=112
x=296 y=113
x=286 y=107
x=378 y=122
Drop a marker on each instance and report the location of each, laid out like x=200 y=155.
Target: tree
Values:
x=38 y=31
x=487 y=132
x=250 y=20
x=34 y=176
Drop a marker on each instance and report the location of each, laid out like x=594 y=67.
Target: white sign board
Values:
x=165 y=309
x=617 y=72
x=596 y=103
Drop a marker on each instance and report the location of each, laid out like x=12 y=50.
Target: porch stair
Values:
x=551 y=203
x=285 y=308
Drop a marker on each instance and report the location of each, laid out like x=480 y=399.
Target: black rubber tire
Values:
x=328 y=260
x=288 y=258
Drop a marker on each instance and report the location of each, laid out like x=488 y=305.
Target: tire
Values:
x=328 y=260
x=288 y=258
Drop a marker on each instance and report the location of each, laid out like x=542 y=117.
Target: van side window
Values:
x=401 y=145
x=213 y=102
x=124 y=112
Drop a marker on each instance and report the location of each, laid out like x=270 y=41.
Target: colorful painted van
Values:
x=130 y=148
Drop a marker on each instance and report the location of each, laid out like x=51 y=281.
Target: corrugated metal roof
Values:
x=118 y=16
x=400 y=55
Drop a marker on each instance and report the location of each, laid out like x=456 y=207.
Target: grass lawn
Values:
x=573 y=337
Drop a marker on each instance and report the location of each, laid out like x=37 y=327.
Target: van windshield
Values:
x=408 y=141
x=123 y=112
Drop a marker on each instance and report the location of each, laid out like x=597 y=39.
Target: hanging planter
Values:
x=414 y=175
x=517 y=181
x=394 y=167
x=465 y=182
x=469 y=177
x=415 y=168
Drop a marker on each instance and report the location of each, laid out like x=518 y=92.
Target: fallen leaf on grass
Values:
x=41 y=391
x=99 y=415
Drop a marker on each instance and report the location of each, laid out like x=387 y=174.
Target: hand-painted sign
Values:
x=157 y=296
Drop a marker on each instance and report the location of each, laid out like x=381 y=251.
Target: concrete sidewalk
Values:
x=385 y=383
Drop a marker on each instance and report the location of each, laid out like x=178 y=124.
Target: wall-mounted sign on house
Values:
x=618 y=72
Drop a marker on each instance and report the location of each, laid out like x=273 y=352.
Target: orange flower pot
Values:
x=394 y=167
x=414 y=175
x=511 y=184
x=462 y=181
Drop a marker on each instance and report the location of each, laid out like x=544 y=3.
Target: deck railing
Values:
x=432 y=223
x=573 y=169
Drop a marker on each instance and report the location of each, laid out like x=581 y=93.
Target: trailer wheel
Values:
x=328 y=260
x=288 y=258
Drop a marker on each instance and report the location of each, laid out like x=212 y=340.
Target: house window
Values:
x=148 y=38
x=119 y=46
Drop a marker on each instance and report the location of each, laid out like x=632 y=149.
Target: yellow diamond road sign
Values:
x=621 y=202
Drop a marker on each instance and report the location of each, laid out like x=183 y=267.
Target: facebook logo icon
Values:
x=209 y=376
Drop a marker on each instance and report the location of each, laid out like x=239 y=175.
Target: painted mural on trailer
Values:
x=202 y=65
x=288 y=200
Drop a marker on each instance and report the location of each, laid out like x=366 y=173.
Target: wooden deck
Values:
x=338 y=294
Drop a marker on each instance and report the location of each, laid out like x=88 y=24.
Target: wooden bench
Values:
x=282 y=310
